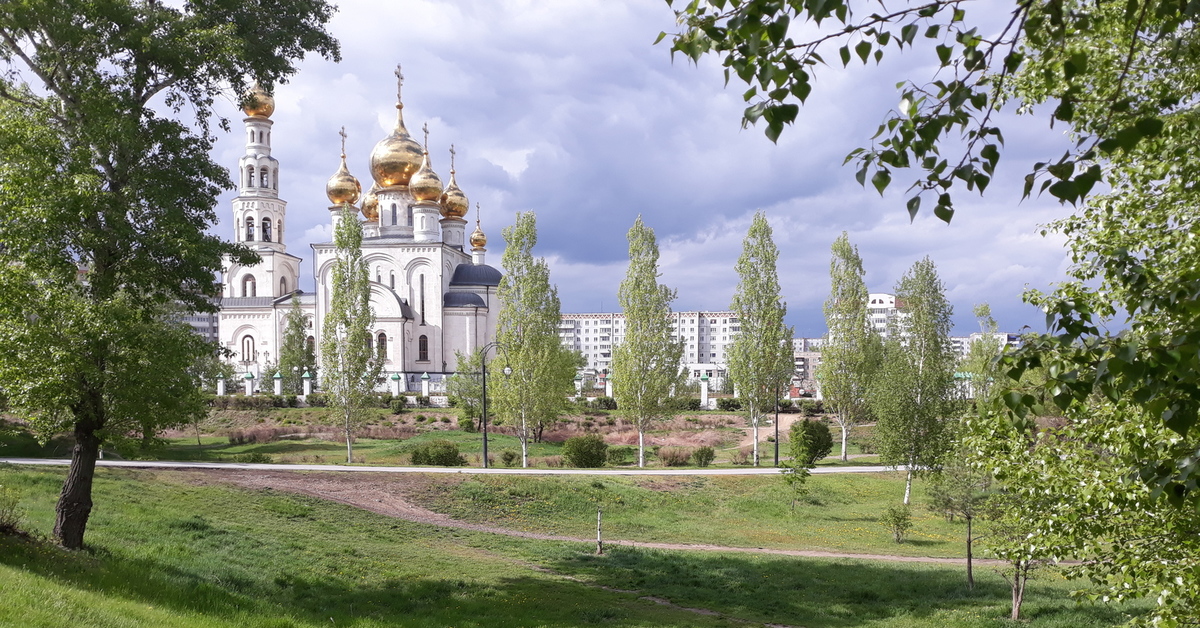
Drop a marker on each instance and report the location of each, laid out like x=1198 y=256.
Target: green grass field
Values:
x=164 y=551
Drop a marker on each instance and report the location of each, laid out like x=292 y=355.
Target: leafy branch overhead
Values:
x=1117 y=73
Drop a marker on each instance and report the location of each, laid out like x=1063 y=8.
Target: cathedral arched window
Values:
x=423 y=349
x=266 y=230
x=393 y=213
x=274 y=174
x=260 y=137
x=249 y=176
x=381 y=346
x=392 y=280
x=263 y=177
x=247 y=349
x=312 y=344
x=282 y=286
x=408 y=217
x=248 y=289
x=279 y=230
x=249 y=229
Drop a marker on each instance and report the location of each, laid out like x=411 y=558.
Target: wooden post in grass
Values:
x=599 y=540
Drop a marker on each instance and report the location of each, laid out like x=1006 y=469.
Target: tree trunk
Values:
x=349 y=448
x=641 y=447
x=599 y=539
x=524 y=443
x=908 y=485
x=970 y=574
x=75 y=502
x=1020 y=574
x=845 y=439
x=754 y=424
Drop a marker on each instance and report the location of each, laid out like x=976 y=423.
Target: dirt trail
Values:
x=387 y=494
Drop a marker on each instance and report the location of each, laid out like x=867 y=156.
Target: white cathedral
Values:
x=430 y=295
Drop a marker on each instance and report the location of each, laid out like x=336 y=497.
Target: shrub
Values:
x=586 y=451
x=10 y=512
x=317 y=400
x=729 y=404
x=810 y=441
x=420 y=418
x=683 y=404
x=897 y=519
x=553 y=461
x=620 y=455
x=674 y=456
x=445 y=419
x=703 y=456
x=812 y=407
x=604 y=403
x=466 y=424
x=398 y=406
x=509 y=457
x=741 y=456
x=422 y=401
x=438 y=453
x=253 y=458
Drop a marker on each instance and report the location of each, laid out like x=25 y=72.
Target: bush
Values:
x=317 y=400
x=604 y=403
x=466 y=424
x=674 y=456
x=398 y=405
x=741 y=456
x=253 y=458
x=683 y=404
x=729 y=404
x=812 y=407
x=586 y=451
x=897 y=519
x=810 y=441
x=509 y=457
x=445 y=419
x=441 y=453
x=10 y=512
x=422 y=401
x=620 y=455
x=703 y=456
x=420 y=418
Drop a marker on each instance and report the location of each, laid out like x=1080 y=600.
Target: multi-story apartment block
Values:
x=705 y=336
x=962 y=344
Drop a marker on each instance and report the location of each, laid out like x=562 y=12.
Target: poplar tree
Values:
x=760 y=357
x=851 y=353
x=914 y=392
x=108 y=190
x=296 y=357
x=527 y=332
x=347 y=358
x=646 y=365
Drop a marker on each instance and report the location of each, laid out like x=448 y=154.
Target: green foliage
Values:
x=729 y=404
x=398 y=406
x=683 y=404
x=423 y=401
x=510 y=457
x=466 y=424
x=674 y=456
x=704 y=456
x=646 y=363
x=604 y=403
x=982 y=362
x=442 y=453
x=253 y=458
x=620 y=454
x=760 y=357
x=317 y=400
x=295 y=355
x=898 y=520
x=465 y=387
x=585 y=451
x=809 y=441
x=11 y=513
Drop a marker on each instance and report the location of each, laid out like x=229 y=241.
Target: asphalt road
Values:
x=164 y=464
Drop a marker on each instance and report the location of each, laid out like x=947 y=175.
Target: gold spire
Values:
x=478 y=239
x=425 y=184
x=342 y=186
x=257 y=103
x=397 y=156
x=454 y=202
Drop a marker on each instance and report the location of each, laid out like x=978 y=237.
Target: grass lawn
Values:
x=163 y=552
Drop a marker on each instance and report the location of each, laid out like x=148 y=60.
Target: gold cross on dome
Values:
x=425 y=128
x=399 y=81
x=452 y=158
x=343 y=134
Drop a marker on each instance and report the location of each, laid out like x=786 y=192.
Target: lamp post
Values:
x=483 y=368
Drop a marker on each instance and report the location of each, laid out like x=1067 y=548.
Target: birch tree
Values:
x=347 y=358
x=296 y=357
x=527 y=332
x=852 y=350
x=760 y=357
x=914 y=391
x=646 y=364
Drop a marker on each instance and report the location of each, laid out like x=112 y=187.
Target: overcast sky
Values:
x=569 y=110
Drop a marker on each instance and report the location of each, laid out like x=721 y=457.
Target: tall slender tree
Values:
x=108 y=191
x=646 y=364
x=349 y=363
x=852 y=350
x=527 y=332
x=760 y=357
x=465 y=387
x=982 y=362
x=296 y=356
x=914 y=392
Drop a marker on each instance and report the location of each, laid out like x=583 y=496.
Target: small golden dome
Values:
x=454 y=202
x=425 y=184
x=342 y=186
x=370 y=204
x=397 y=156
x=478 y=240
x=257 y=103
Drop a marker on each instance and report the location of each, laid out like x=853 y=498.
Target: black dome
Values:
x=472 y=275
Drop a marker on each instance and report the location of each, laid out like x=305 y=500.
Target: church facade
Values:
x=431 y=291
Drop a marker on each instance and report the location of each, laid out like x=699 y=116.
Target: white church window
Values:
x=282 y=285
x=275 y=174
x=392 y=280
x=408 y=217
x=249 y=176
x=423 y=349
x=381 y=346
x=248 y=286
x=266 y=229
x=249 y=229
x=263 y=177
x=394 y=217
x=247 y=349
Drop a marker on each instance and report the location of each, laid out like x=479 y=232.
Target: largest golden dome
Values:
x=343 y=187
x=397 y=156
x=257 y=103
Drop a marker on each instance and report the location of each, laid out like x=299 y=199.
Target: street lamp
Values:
x=483 y=364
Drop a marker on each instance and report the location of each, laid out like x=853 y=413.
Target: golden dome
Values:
x=397 y=156
x=478 y=240
x=454 y=202
x=370 y=204
x=342 y=187
x=258 y=103
x=425 y=184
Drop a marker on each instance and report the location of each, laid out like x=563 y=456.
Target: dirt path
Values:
x=387 y=494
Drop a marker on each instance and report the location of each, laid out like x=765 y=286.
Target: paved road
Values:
x=163 y=464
